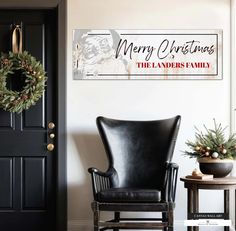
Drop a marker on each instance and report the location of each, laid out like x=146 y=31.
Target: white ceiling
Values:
x=28 y=3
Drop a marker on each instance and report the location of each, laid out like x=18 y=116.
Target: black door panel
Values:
x=27 y=168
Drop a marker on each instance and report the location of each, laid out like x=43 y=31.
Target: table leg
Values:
x=226 y=207
x=190 y=206
x=235 y=209
x=195 y=205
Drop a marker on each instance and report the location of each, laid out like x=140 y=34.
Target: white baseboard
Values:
x=87 y=225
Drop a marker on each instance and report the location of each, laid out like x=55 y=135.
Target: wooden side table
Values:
x=193 y=186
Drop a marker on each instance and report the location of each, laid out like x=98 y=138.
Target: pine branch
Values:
x=212 y=141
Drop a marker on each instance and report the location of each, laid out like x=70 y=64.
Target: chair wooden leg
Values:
x=164 y=219
x=170 y=222
x=170 y=218
x=116 y=219
x=96 y=214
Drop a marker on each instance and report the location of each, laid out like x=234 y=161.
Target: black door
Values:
x=27 y=168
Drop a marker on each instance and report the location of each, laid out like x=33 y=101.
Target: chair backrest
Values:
x=137 y=151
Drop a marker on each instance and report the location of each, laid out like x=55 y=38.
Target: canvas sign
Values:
x=147 y=54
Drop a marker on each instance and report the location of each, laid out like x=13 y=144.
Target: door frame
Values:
x=61 y=117
x=61 y=172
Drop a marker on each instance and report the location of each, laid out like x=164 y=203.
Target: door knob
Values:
x=51 y=125
x=50 y=147
x=52 y=135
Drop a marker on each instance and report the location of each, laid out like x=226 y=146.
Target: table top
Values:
x=214 y=181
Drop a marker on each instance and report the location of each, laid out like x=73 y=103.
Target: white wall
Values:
x=196 y=101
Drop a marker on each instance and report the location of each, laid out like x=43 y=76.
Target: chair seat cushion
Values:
x=129 y=195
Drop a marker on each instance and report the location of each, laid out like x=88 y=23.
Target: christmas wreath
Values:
x=35 y=79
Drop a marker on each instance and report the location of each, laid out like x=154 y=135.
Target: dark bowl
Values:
x=220 y=169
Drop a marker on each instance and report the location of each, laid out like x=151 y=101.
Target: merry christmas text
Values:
x=166 y=48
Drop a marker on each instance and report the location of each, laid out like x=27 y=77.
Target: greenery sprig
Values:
x=212 y=144
x=35 y=81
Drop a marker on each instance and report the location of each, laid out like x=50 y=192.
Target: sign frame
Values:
x=193 y=54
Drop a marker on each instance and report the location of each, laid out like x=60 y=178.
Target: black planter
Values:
x=218 y=168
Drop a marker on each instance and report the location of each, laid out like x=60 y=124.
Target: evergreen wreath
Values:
x=35 y=80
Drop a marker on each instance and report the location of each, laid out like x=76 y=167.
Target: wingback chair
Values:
x=140 y=176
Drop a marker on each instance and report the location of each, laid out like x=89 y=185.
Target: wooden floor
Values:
x=184 y=228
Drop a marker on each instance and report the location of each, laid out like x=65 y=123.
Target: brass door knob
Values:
x=52 y=135
x=51 y=125
x=50 y=147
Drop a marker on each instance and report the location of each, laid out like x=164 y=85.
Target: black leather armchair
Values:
x=140 y=176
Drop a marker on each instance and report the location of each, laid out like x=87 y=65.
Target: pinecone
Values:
x=15 y=102
x=24 y=97
x=5 y=61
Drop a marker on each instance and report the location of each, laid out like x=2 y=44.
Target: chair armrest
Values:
x=100 y=180
x=98 y=172
x=171 y=181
